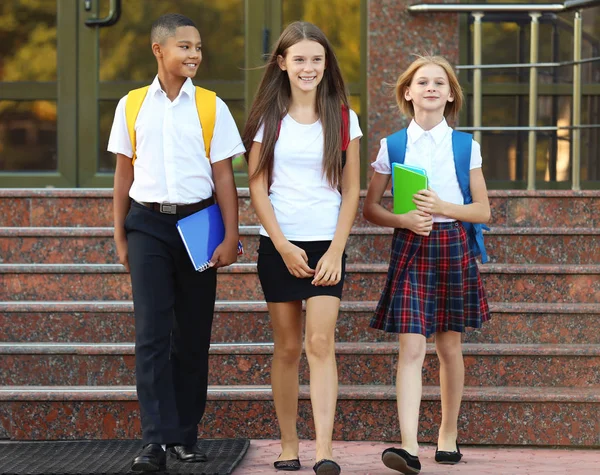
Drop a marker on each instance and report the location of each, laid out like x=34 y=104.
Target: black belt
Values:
x=168 y=208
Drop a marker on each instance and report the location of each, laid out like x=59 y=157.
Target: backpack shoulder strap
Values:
x=345 y=128
x=461 y=149
x=396 y=145
x=206 y=103
x=133 y=104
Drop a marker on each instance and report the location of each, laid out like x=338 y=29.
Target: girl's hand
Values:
x=329 y=269
x=429 y=202
x=296 y=261
x=418 y=222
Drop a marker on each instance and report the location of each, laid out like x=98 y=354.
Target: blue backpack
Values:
x=461 y=148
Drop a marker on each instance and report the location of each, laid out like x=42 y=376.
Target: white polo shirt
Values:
x=305 y=205
x=432 y=151
x=171 y=164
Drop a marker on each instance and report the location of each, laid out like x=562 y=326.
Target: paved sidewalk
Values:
x=364 y=458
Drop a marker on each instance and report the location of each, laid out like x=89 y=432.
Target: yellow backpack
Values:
x=206 y=104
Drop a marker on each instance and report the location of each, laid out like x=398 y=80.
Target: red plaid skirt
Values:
x=433 y=284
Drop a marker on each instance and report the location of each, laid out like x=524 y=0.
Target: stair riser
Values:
x=353 y=369
x=232 y=327
x=506 y=211
x=373 y=248
x=481 y=423
x=359 y=286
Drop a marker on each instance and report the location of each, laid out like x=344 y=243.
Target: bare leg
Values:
x=286 y=320
x=452 y=380
x=409 y=388
x=321 y=317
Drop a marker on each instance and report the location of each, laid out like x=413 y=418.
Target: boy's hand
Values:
x=122 y=251
x=329 y=269
x=429 y=202
x=296 y=260
x=418 y=222
x=225 y=254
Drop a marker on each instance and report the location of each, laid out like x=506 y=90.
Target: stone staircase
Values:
x=532 y=373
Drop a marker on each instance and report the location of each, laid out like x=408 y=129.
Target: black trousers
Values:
x=173 y=306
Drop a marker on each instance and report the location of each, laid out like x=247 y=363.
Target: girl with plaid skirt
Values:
x=433 y=285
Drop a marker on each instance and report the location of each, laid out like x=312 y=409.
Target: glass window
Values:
x=125 y=52
x=340 y=21
x=28 y=136
x=28 y=40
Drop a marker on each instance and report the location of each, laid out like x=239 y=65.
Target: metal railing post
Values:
x=533 y=95
x=576 y=141
x=477 y=91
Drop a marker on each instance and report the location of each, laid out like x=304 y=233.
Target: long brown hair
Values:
x=273 y=99
x=405 y=80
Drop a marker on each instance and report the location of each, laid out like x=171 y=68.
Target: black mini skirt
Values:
x=280 y=286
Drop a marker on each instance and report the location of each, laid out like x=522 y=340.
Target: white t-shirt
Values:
x=432 y=151
x=171 y=164
x=305 y=205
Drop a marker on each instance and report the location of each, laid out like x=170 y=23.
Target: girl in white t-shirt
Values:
x=433 y=285
x=303 y=164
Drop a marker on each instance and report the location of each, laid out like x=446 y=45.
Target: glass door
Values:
x=115 y=58
x=64 y=65
x=38 y=83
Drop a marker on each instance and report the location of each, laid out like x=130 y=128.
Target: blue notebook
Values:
x=201 y=233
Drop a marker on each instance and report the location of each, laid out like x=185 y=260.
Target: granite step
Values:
x=93 y=207
x=248 y=321
x=566 y=417
x=503 y=282
x=89 y=245
x=97 y=364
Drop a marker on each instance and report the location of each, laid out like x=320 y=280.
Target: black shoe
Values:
x=187 y=453
x=448 y=458
x=152 y=459
x=327 y=467
x=401 y=461
x=288 y=465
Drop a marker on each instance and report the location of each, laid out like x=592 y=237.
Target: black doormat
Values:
x=110 y=457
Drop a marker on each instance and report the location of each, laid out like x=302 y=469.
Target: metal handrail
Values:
x=537 y=128
x=534 y=11
x=528 y=65
x=502 y=7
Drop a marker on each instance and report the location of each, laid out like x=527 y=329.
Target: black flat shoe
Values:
x=151 y=459
x=288 y=465
x=188 y=454
x=327 y=467
x=401 y=461
x=448 y=458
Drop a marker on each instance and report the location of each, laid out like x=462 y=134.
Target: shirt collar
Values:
x=415 y=132
x=187 y=87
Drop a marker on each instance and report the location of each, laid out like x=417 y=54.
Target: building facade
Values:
x=64 y=64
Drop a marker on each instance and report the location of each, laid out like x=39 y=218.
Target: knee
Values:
x=320 y=346
x=413 y=353
x=288 y=353
x=449 y=352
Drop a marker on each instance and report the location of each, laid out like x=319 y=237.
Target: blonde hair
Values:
x=405 y=79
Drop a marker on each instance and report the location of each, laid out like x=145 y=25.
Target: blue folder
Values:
x=201 y=233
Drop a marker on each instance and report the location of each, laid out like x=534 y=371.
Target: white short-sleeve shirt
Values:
x=171 y=164
x=305 y=205
x=432 y=151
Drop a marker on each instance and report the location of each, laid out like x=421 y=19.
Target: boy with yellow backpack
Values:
x=174 y=144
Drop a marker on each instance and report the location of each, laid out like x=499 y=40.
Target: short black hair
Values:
x=164 y=27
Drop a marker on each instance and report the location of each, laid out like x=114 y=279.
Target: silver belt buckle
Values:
x=168 y=208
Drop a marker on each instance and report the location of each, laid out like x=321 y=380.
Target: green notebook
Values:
x=406 y=181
